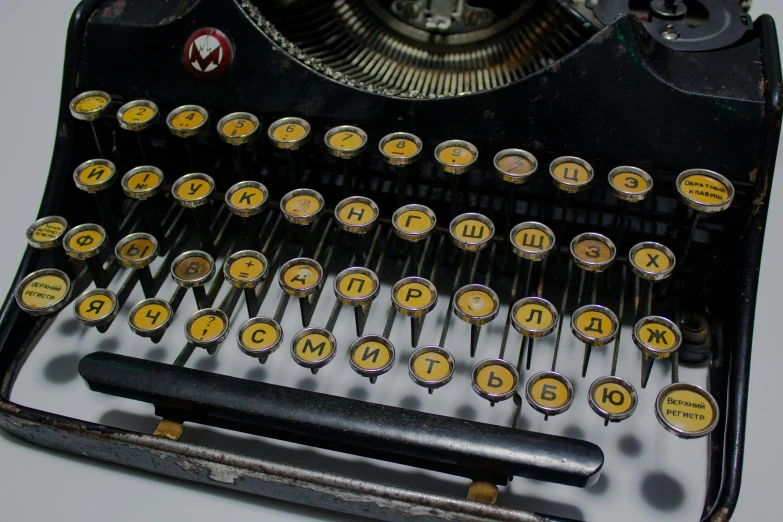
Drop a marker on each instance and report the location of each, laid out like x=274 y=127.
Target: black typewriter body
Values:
x=602 y=89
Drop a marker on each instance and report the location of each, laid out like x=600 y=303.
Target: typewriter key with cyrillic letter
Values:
x=357 y=287
x=371 y=356
x=47 y=233
x=495 y=380
x=313 y=348
x=138 y=251
x=477 y=305
x=471 y=232
x=137 y=116
x=414 y=223
x=533 y=242
x=571 y=174
x=43 y=292
x=247 y=199
x=90 y=106
x=687 y=410
x=651 y=262
x=143 y=183
x=657 y=338
x=193 y=191
x=259 y=337
x=302 y=278
x=150 y=318
x=94 y=177
x=593 y=253
x=96 y=308
x=357 y=215
x=414 y=297
x=86 y=242
x=431 y=367
x=534 y=318
x=194 y=269
x=550 y=393
x=594 y=325
x=207 y=328
x=612 y=398
x=515 y=167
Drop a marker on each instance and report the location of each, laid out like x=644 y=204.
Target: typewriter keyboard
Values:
x=534 y=315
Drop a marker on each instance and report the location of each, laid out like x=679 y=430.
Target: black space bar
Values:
x=466 y=448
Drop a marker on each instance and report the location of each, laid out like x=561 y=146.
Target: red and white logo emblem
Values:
x=208 y=53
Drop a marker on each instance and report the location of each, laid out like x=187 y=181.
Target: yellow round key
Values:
x=495 y=380
x=150 y=317
x=400 y=148
x=549 y=393
x=237 y=128
x=193 y=268
x=431 y=367
x=90 y=105
x=456 y=156
x=414 y=296
x=532 y=240
x=356 y=214
x=259 y=337
x=630 y=183
x=302 y=206
x=246 y=198
x=193 y=190
x=245 y=269
x=595 y=325
x=534 y=317
x=84 y=241
x=612 y=398
x=345 y=141
x=705 y=190
x=476 y=304
x=47 y=232
x=571 y=174
x=356 y=286
x=371 y=356
x=687 y=410
x=593 y=252
x=313 y=348
x=651 y=261
x=300 y=277
x=43 y=292
x=207 y=328
x=96 y=307
x=289 y=133
x=515 y=166
x=471 y=231
x=137 y=115
x=95 y=175
x=187 y=120
x=142 y=182
x=136 y=250
x=414 y=222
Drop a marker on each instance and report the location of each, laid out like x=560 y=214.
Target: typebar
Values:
x=460 y=447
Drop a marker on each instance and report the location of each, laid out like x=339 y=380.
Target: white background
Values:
x=39 y=484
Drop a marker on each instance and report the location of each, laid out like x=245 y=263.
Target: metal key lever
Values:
x=460 y=447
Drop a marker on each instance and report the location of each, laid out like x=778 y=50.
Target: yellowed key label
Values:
x=595 y=324
x=356 y=286
x=142 y=181
x=44 y=291
x=95 y=174
x=514 y=164
x=301 y=276
x=495 y=379
x=532 y=240
x=471 y=231
x=613 y=398
x=431 y=366
x=193 y=268
x=414 y=295
x=704 y=189
x=687 y=410
x=137 y=249
x=571 y=173
x=371 y=355
x=188 y=119
x=238 y=127
x=592 y=251
x=48 y=231
x=534 y=316
x=91 y=104
x=207 y=328
x=247 y=197
x=194 y=189
x=549 y=393
x=414 y=221
x=476 y=303
x=85 y=240
x=289 y=132
x=260 y=337
x=658 y=336
x=652 y=260
x=401 y=148
x=630 y=183
x=246 y=268
x=96 y=307
x=346 y=140
x=302 y=205
x=314 y=347
x=356 y=213
x=455 y=155
x=150 y=316
x=138 y=114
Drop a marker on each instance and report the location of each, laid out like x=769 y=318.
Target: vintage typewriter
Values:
x=523 y=239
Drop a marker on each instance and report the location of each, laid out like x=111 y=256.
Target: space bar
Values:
x=460 y=447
